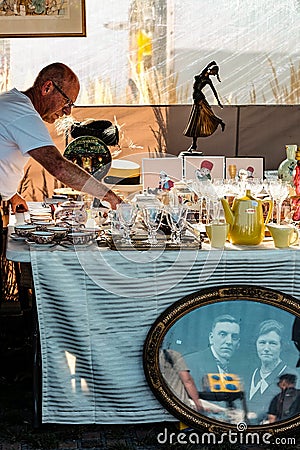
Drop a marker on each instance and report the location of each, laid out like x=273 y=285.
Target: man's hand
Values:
x=18 y=202
x=113 y=199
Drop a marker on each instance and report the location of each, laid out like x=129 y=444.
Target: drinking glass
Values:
x=255 y=185
x=127 y=216
x=278 y=191
x=177 y=219
x=215 y=190
x=152 y=215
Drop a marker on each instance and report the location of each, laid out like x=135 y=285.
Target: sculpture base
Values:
x=189 y=153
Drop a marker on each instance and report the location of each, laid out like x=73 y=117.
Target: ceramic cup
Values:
x=42 y=237
x=24 y=230
x=217 y=234
x=283 y=235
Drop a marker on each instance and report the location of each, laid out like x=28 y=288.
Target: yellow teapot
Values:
x=246 y=220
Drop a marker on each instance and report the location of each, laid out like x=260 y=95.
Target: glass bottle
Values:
x=286 y=167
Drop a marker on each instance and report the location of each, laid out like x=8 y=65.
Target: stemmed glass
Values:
x=214 y=192
x=278 y=190
x=177 y=218
x=127 y=216
x=255 y=185
x=152 y=215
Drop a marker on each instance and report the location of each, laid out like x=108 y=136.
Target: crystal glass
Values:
x=215 y=190
x=278 y=191
x=152 y=215
x=127 y=214
x=255 y=185
x=177 y=220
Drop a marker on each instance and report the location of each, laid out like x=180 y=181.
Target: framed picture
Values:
x=254 y=167
x=42 y=19
x=204 y=167
x=202 y=379
x=156 y=171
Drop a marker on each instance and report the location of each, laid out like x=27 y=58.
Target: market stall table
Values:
x=96 y=306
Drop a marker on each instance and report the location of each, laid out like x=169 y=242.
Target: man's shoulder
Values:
x=14 y=104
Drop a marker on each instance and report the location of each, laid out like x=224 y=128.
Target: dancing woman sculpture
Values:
x=202 y=121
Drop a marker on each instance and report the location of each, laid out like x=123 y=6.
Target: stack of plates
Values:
x=41 y=215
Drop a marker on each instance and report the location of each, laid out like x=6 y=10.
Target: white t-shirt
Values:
x=21 y=130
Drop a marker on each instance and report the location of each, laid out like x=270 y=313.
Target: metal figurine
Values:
x=202 y=121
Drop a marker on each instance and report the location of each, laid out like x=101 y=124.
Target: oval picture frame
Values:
x=200 y=307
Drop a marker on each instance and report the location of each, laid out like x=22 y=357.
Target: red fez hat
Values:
x=207 y=164
x=250 y=169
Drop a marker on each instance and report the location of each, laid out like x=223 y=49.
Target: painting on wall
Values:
x=42 y=18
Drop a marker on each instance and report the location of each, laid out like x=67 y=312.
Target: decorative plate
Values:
x=91 y=154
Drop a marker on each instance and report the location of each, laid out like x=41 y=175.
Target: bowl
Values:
x=42 y=225
x=42 y=237
x=24 y=230
x=80 y=237
x=59 y=232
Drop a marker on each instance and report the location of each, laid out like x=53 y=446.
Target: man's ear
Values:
x=210 y=337
x=46 y=88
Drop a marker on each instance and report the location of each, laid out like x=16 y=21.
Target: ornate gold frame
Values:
x=179 y=309
x=42 y=25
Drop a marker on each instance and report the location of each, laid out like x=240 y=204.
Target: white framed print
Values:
x=206 y=167
x=156 y=171
x=250 y=167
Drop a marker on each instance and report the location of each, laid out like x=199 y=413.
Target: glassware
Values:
x=177 y=219
x=127 y=216
x=152 y=215
x=255 y=185
x=215 y=190
x=278 y=190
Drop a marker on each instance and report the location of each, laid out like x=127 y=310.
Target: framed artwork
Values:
x=254 y=167
x=38 y=18
x=206 y=166
x=155 y=170
x=229 y=389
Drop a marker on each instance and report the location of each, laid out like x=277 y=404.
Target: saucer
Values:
x=35 y=244
x=16 y=237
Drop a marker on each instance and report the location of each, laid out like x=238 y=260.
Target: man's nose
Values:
x=228 y=339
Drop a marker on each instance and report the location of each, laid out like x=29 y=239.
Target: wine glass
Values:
x=177 y=218
x=215 y=190
x=127 y=216
x=278 y=190
x=152 y=215
x=255 y=185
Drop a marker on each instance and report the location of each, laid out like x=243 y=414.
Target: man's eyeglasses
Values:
x=69 y=103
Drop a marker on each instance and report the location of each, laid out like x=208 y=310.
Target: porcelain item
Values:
x=71 y=212
x=286 y=167
x=42 y=225
x=59 y=232
x=24 y=230
x=81 y=237
x=217 y=234
x=246 y=219
x=283 y=235
x=42 y=237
